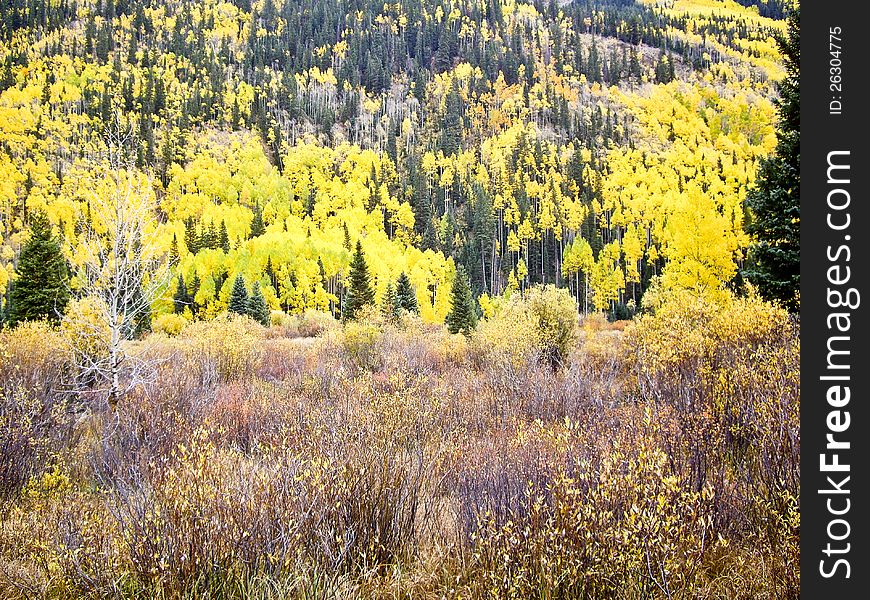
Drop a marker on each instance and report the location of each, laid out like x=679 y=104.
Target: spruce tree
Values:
x=40 y=289
x=405 y=294
x=192 y=290
x=774 y=201
x=209 y=237
x=324 y=280
x=347 y=244
x=173 y=250
x=191 y=239
x=360 y=291
x=390 y=307
x=181 y=299
x=257 y=307
x=224 y=238
x=258 y=228
x=269 y=271
x=462 y=316
x=239 y=297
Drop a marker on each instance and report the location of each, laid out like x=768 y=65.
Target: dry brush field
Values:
x=658 y=459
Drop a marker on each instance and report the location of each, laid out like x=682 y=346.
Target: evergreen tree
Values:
x=269 y=271
x=4 y=306
x=209 y=237
x=258 y=228
x=40 y=289
x=257 y=307
x=224 y=238
x=462 y=316
x=191 y=239
x=405 y=294
x=192 y=290
x=390 y=308
x=239 y=297
x=173 y=250
x=347 y=244
x=324 y=280
x=181 y=299
x=451 y=132
x=664 y=71
x=360 y=292
x=774 y=257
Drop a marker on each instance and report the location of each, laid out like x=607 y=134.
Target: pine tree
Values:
x=192 y=290
x=209 y=237
x=173 y=250
x=774 y=257
x=462 y=316
x=663 y=70
x=390 y=307
x=257 y=307
x=40 y=289
x=258 y=228
x=269 y=271
x=191 y=239
x=405 y=294
x=224 y=238
x=347 y=244
x=181 y=299
x=239 y=297
x=360 y=291
x=324 y=280
x=451 y=131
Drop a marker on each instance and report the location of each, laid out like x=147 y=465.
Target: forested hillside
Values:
x=595 y=145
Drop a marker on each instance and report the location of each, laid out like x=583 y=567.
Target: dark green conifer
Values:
x=224 y=238
x=239 y=297
x=774 y=200
x=257 y=307
x=347 y=244
x=406 y=295
x=462 y=316
x=258 y=228
x=181 y=299
x=192 y=290
x=191 y=239
x=360 y=291
x=390 y=308
x=173 y=250
x=40 y=289
x=269 y=271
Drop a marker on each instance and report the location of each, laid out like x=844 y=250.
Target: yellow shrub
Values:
x=33 y=357
x=169 y=323
x=225 y=349
x=541 y=323
x=361 y=342
x=85 y=328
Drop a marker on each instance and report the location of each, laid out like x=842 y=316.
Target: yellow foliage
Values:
x=170 y=324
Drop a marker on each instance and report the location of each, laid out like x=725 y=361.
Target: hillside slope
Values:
x=594 y=145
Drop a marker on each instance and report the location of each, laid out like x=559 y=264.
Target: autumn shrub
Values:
x=285 y=359
x=35 y=401
x=225 y=349
x=361 y=341
x=504 y=343
x=86 y=334
x=540 y=323
x=730 y=372
x=311 y=323
x=170 y=324
x=415 y=348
